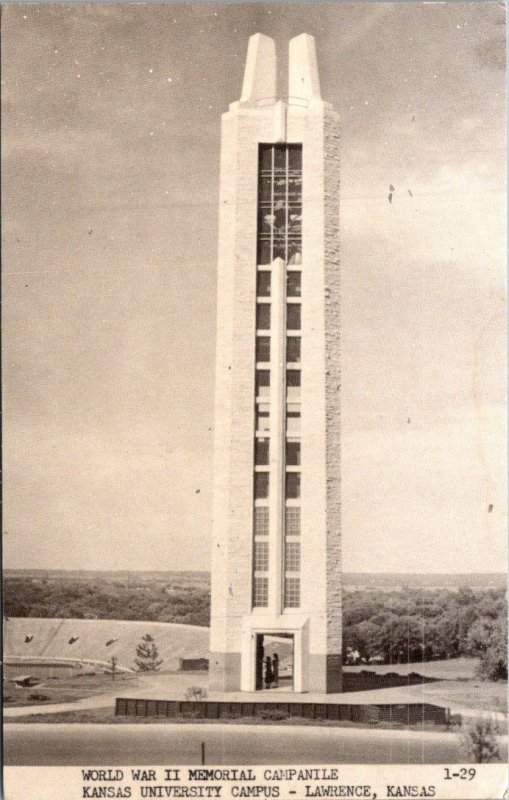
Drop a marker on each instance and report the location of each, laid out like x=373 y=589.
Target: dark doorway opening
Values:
x=274 y=662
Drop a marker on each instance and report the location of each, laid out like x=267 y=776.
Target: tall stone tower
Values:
x=276 y=567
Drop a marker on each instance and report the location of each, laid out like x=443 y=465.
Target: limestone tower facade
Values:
x=276 y=563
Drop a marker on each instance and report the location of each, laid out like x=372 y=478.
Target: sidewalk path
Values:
x=173 y=686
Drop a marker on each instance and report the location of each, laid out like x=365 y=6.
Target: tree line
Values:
x=410 y=626
x=104 y=598
x=390 y=627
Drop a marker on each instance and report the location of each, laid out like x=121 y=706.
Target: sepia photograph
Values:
x=254 y=400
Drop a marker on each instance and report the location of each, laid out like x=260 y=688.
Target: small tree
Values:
x=480 y=740
x=148 y=655
x=196 y=693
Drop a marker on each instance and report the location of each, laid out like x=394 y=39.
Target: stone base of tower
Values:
x=302 y=670
x=325 y=673
x=224 y=672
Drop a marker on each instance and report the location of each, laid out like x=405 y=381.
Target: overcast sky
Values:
x=111 y=120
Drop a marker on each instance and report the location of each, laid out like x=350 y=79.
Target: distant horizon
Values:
x=207 y=571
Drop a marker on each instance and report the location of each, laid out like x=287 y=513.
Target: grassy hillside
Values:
x=52 y=639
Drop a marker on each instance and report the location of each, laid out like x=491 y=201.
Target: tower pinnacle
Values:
x=259 y=85
x=303 y=80
x=260 y=82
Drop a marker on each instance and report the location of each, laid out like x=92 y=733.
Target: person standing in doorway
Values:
x=269 y=677
x=275 y=670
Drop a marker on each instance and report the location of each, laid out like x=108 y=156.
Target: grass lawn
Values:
x=107 y=716
x=477 y=695
x=66 y=689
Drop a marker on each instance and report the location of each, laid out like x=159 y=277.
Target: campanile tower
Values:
x=276 y=564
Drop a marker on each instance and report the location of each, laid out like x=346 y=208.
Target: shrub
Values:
x=196 y=693
x=38 y=697
x=274 y=714
x=480 y=740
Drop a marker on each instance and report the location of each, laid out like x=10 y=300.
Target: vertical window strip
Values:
x=261 y=556
x=292 y=592
x=280 y=203
x=292 y=521
x=292 y=557
x=261 y=521
x=260 y=592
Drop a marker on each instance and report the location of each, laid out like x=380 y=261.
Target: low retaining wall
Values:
x=362 y=681
x=56 y=661
x=365 y=680
x=23 y=664
x=403 y=713
x=193 y=664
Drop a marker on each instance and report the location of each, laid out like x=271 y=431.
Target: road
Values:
x=64 y=744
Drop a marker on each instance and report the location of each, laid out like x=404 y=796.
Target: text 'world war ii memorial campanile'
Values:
x=276 y=565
